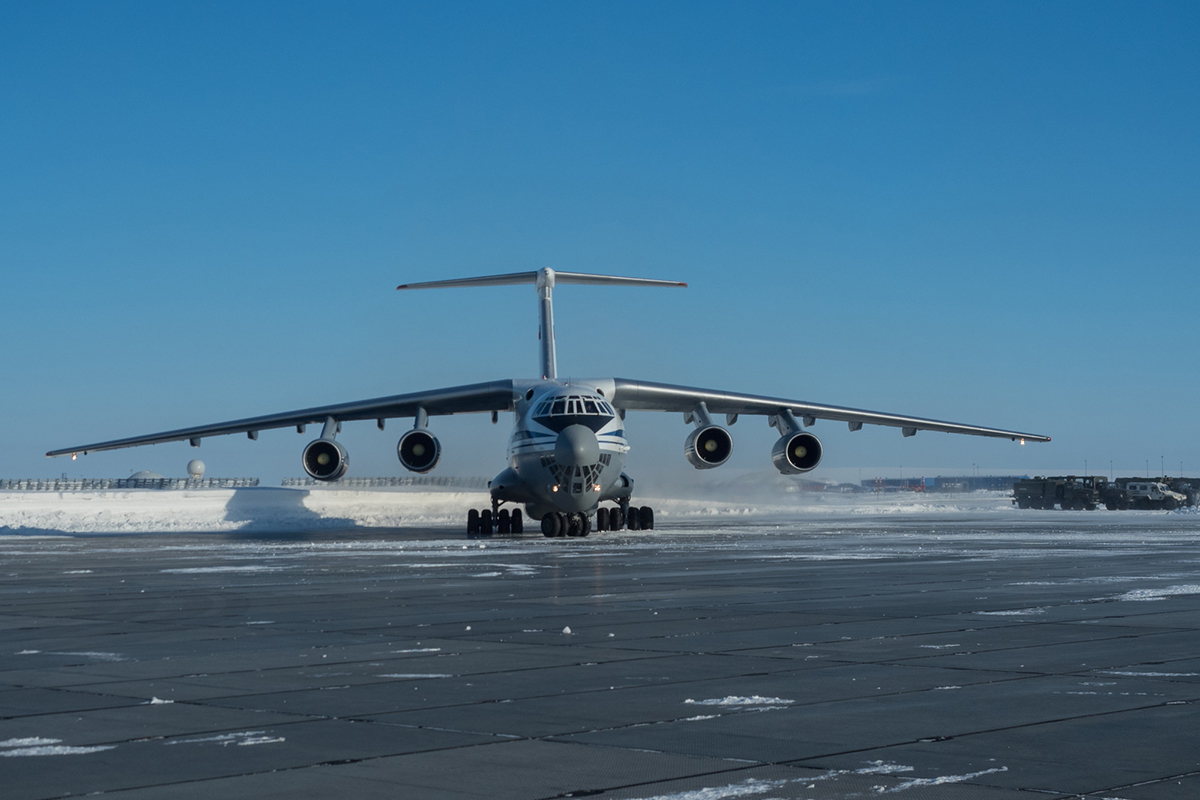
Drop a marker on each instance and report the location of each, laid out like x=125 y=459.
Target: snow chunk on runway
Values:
x=1159 y=594
x=732 y=701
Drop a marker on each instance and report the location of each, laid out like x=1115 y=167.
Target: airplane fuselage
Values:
x=567 y=450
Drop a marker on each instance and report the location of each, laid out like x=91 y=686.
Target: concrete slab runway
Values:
x=949 y=655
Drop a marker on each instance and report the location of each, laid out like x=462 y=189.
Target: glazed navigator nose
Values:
x=576 y=447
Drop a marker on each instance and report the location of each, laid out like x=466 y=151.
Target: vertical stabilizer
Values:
x=544 y=279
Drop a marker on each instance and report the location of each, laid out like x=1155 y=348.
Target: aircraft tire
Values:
x=574 y=525
x=485 y=522
x=616 y=519
x=517 y=521
x=503 y=523
x=601 y=519
x=564 y=524
x=550 y=526
x=472 y=522
x=633 y=521
x=646 y=518
x=585 y=524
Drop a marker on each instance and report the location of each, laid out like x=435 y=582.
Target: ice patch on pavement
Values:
x=746 y=788
x=420 y=650
x=407 y=675
x=242 y=738
x=99 y=656
x=156 y=701
x=913 y=783
x=733 y=701
x=1017 y=612
x=37 y=746
x=1149 y=674
x=206 y=570
x=1159 y=594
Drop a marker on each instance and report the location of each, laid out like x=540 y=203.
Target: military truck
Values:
x=1068 y=492
x=1144 y=493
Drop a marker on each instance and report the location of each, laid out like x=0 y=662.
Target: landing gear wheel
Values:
x=585 y=524
x=517 y=521
x=564 y=523
x=601 y=519
x=634 y=519
x=503 y=522
x=574 y=525
x=616 y=519
x=485 y=522
x=550 y=526
x=646 y=518
x=472 y=522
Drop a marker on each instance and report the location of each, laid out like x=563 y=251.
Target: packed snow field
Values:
x=296 y=510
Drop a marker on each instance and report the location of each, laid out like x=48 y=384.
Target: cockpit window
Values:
x=558 y=412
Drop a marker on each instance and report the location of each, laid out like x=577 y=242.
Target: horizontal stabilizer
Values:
x=550 y=276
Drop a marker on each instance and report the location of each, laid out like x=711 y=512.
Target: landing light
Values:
x=1022 y=443
x=74 y=456
x=596 y=487
x=554 y=488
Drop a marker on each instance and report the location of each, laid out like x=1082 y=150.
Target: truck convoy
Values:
x=1074 y=493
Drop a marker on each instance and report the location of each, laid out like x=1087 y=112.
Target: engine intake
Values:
x=418 y=451
x=708 y=447
x=796 y=453
x=325 y=460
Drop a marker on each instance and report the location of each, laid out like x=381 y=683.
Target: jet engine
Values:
x=708 y=447
x=419 y=450
x=325 y=460
x=796 y=452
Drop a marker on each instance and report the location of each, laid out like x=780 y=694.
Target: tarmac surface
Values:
x=991 y=656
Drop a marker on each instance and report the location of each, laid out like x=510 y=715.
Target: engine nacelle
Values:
x=325 y=460
x=796 y=453
x=708 y=447
x=418 y=450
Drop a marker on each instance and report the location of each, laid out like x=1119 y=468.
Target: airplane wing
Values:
x=646 y=396
x=478 y=397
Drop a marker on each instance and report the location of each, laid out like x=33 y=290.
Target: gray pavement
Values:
x=950 y=655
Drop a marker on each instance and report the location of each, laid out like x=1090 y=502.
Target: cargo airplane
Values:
x=566 y=455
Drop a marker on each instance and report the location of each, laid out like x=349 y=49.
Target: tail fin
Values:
x=544 y=279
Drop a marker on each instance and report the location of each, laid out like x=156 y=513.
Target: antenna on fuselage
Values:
x=544 y=279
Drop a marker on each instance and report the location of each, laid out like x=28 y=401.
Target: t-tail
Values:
x=544 y=279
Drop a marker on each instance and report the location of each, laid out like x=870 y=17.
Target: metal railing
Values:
x=101 y=484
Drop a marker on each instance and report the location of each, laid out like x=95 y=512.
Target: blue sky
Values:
x=977 y=212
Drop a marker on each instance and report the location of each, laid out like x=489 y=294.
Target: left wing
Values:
x=646 y=396
x=493 y=396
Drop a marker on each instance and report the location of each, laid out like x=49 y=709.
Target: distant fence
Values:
x=99 y=484
x=468 y=484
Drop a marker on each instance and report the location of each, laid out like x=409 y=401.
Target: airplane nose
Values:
x=576 y=447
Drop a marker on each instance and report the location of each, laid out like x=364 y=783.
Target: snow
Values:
x=733 y=701
x=288 y=509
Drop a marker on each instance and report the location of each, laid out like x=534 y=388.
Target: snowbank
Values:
x=289 y=509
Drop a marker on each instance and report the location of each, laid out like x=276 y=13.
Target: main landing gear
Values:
x=625 y=516
x=607 y=519
x=487 y=521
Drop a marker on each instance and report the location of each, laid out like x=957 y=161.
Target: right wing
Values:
x=647 y=396
x=478 y=397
